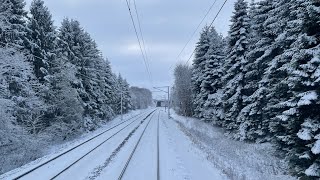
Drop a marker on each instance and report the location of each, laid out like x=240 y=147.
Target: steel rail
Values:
x=73 y=148
x=158 y=149
x=133 y=151
x=75 y=162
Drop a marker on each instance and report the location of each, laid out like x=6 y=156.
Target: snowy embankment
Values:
x=238 y=160
x=52 y=150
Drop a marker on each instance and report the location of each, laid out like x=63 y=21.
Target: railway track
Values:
x=137 y=144
x=136 y=117
x=158 y=149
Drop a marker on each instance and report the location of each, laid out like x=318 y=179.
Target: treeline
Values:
x=141 y=98
x=262 y=82
x=53 y=80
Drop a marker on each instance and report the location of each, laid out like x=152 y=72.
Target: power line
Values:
x=209 y=27
x=142 y=38
x=135 y=29
x=190 y=56
x=194 y=32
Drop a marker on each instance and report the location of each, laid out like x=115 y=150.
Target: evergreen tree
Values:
x=234 y=67
x=67 y=110
x=81 y=51
x=12 y=23
x=271 y=80
x=212 y=82
x=41 y=39
x=57 y=84
x=275 y=74
x=199 y=69
x=123 y=94
x=127 y=96
x=260 y=53
x=300 y=118
x=105 y=85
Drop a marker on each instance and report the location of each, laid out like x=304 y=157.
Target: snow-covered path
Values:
x=179 y=159
x=110 y=154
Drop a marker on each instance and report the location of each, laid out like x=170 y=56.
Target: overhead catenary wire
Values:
x=142 y=38
x=139 y=42
x=143 y=52
x=224 y=3
x=194 y=32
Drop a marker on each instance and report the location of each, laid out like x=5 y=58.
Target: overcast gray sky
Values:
x=166 y=24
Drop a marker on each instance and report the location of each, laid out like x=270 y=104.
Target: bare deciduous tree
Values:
x=182 y=90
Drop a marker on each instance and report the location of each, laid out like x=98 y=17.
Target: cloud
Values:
x=131 y=49
x=157 y=49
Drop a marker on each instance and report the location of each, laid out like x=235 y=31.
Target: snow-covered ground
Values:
x=180 y=159
x=188 y=149
x=178 y=156
x=238 y=160
x=58 y=149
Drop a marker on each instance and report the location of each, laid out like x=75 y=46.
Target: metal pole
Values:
x=121 y=105
x=169 y=102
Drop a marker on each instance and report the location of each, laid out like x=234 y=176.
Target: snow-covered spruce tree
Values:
x=300 y=119
x=275 y=75
x=260 y=53
x=41 y=42
x=212 y=82
x=104 y=85
x=234 y=68
x=198 y=71
x=122 y=92
x=68 y=50
x=70 y=34
x=114 y=92
x=12 y=23
x=182 y=92
x=127 y=96
x=67 y=109
x=81 y=51
x=118 y=94
x=29 y=110
x=88 y=73
x=109 y=82
x=101 y=88
x=41 y=38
